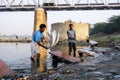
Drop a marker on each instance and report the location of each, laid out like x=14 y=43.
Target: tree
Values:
x=99 y=27
x=114 y=22
x=112 y=26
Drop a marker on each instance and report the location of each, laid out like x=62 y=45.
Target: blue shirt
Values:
x=37 y=36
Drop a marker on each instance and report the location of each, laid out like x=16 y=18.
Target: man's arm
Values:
x=42 y=45
x=74 y=35
x=67 y=34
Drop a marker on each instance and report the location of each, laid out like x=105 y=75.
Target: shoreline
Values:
x=15 y=40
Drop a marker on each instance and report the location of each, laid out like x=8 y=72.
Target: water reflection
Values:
x=39 y=69
x=46 y=62
x=16 y=45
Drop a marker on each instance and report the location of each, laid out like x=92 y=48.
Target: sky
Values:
x=21 y=23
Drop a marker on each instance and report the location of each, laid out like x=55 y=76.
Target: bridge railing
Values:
x=53 y=5
x=57 y=2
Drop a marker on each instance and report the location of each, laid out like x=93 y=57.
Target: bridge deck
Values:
x=91 y=6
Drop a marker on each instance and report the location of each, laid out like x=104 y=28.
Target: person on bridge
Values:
x=71 y=40
x=37 y=40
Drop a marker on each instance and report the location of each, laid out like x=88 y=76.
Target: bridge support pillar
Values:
x=40 y=18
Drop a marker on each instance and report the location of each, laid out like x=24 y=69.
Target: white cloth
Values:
x=93 y=42
x=88 y=48
x=34 y=48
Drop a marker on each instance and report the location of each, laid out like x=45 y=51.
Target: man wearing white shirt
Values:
x=71 y=40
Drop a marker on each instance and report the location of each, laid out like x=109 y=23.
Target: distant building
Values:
x=82 y=29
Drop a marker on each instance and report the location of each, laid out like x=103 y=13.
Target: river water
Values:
x=16 y=55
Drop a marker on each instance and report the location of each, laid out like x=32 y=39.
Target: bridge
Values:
x=30 y=5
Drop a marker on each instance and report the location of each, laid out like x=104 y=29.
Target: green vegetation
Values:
x=112 y=26
x=115 y=38
x=98 y=39
x=106 y=40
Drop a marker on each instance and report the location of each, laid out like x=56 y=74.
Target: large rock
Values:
x=4 y=69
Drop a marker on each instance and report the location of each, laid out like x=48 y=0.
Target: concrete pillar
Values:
x=40 y=18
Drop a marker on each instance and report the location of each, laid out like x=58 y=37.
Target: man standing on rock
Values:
x=71 y=40
x=37 y=40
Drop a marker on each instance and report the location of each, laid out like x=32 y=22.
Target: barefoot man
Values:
x=37 y=40
x=71 y=40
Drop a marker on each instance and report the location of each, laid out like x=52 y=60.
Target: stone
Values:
x=117 y=77
x=95 y=74
x=91 y=69
x=114 y=72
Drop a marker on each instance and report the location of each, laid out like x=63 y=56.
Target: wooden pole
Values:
x=40 y=18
